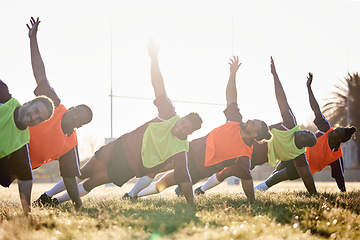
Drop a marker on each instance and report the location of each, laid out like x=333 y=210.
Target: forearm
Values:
x=313 y=103
x=72 y=189
x=36 y=61
x=280 y=94
x=248 y=188
x=307 y=178
x=231 y=91
x=157 y=80
x=186 y=188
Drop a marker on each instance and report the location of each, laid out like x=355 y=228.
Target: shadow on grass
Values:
x=159 y=216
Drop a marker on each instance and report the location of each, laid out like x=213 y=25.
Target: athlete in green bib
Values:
x=14 y=138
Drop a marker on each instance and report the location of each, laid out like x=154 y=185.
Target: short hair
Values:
x=89 y=111
x=48 y=103
x=195 y=119
x=263 y=133
x=349 y=131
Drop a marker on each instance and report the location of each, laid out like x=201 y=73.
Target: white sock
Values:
x=262 y=187
x=65 y=196
x=140 y=184
x=82 y=191
x=210 y=183
x=58 y=188
x=151 y=189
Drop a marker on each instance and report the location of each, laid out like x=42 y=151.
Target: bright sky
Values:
x=197 y=39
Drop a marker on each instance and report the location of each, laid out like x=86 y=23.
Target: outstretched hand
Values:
x=272 y=65
x=309 y=79
x=153 y=48
x=234 y=65
x=34 y=27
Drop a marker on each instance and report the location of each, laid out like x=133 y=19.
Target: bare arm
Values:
x=279 y=91
x=36 y=60
x=72 y=189
x=248 y=188
x=186 y=188
x=231 y=91
x=156 y=76
x=313 y=103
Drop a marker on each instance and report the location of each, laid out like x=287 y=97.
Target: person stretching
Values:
x=327 y=150
x=14 y=140
x=227 y=145
x=159 y=142
x=56 y=138
x=288 y=143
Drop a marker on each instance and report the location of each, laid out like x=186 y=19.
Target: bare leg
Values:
x=166 y=181
x=84 y=188
x=91 y=168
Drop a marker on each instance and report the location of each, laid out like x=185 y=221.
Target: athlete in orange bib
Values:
x=327 y=150
x=55 y=139
x=227 y=145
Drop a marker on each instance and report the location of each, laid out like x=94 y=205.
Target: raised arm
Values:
x=36 y=60
x=231 y=91
x=313 y=103
x=279 y=91
x=156 y=77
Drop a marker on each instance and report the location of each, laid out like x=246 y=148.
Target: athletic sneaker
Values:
x=261 y=187
x=179 y=192
x=43 y=200
x=127 y=196
x=54 y=202
x=198 y=191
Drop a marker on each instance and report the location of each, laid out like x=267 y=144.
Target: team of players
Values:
x=44 y=130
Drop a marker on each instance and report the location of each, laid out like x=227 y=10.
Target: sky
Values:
x=90 y=47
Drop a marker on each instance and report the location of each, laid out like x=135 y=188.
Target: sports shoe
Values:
x=43 y=200
x=198 y=191
x=128 y=196
x=261 y=187
x=178 y=192
x=54 y=202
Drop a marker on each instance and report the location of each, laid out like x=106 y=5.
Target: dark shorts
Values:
x=291 y=171
x=118 y=168
x=337 y=168
x=70 y=164
x=15 y=166
x=194 y=172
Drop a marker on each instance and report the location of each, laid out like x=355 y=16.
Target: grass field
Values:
x=284 y=212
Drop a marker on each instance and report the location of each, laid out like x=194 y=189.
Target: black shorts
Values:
x=337 y=168
x=16 y=166
x=299 y=161
x=291 y=171
x=118 y=168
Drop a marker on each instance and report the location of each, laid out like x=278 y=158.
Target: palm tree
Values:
x=348 y=95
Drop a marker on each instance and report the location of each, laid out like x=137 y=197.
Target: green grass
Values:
x=222 y=213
